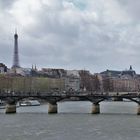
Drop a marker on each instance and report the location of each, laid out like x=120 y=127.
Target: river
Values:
x=117 y=121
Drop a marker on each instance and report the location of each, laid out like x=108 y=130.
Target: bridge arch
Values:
x=53 y=98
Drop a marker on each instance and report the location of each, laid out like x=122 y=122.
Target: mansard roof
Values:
x=115 y=73
x=111 y=72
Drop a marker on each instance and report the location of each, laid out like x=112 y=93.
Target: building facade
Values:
x=72 y=80
x=121 y=81
x=3 y=68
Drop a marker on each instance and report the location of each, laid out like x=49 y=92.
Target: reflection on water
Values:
x=117 y=121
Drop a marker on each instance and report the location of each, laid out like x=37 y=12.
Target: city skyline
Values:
x=91 y=35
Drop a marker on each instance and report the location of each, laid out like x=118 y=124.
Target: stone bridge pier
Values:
x=10 y=107
x=138 y=109
x=95 y=108
x=52 y=108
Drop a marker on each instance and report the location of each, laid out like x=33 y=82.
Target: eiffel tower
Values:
x=16 y=56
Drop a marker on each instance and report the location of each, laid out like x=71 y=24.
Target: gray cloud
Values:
x=94 y=35
x=6 y=3
x=132 y=7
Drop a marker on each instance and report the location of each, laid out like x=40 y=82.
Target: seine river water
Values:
x=117 y=121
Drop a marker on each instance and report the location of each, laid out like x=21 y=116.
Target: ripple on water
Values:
x=117 y=121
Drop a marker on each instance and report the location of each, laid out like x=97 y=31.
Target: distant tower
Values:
x=130 y=68
x=16 y=57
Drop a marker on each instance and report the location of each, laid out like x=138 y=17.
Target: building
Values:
x=119 y=81
x=72 y=80
x=3 y=68
x=52 y=73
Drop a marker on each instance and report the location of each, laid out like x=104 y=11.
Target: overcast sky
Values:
x=72 y=34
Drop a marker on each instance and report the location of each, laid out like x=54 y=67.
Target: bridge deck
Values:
x=70 y=94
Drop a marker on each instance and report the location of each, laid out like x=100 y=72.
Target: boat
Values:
x=29 y=103
x=2 y=106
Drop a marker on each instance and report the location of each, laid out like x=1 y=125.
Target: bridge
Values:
x=54 y=97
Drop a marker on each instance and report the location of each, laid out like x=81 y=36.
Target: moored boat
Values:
x=29 y=103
